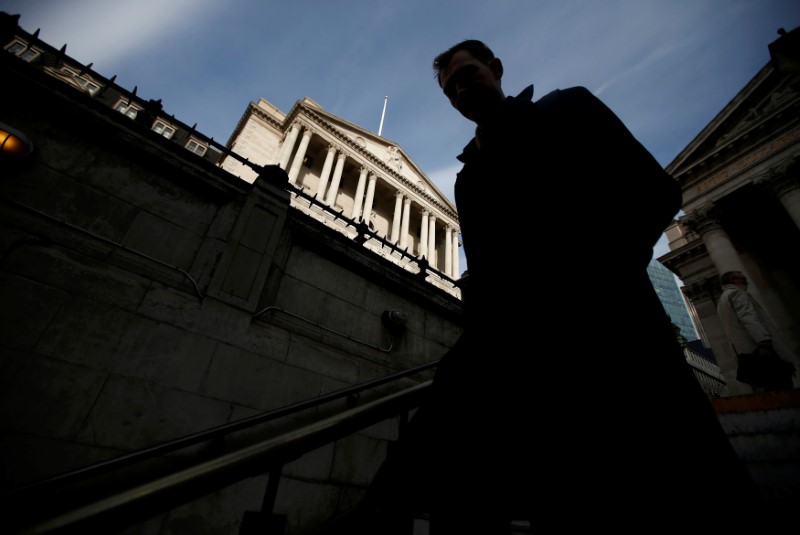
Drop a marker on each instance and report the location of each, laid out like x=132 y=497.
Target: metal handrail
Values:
x=140 y=503
x=206 y=435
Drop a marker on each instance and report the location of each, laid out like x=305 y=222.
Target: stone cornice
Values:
x=715 y=123
x=698 y=291
x=676 y=258
x=744 y=161
x=781 y=100
x=261 y=114
x=760 y=120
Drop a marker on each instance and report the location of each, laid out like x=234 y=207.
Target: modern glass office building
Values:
x=669 y=293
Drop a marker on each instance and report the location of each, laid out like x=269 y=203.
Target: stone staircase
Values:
x=764 y=429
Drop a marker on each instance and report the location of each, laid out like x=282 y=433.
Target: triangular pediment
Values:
x=765 y=99
x=381 y=149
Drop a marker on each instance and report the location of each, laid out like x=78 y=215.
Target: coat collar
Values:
x=526 y=95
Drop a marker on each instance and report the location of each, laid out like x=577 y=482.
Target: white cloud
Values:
x=651 y=58
x=106 y=32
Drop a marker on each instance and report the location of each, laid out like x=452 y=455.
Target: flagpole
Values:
x=380 y=128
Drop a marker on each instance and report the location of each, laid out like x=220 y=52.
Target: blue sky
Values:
x=666 y=67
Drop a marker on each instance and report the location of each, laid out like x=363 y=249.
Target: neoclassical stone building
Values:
x=360 y=175
x=741 y=199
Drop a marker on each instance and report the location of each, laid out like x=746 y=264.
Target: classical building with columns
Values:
x=344 y=175
x=741 y=203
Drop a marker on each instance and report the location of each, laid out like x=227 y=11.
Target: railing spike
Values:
x=133 y=94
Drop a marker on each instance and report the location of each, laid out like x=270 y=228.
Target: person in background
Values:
x=567 y=400
x=751 y=332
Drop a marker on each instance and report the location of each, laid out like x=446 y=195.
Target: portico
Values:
x=356 y=174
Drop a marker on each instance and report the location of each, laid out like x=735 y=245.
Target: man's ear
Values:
x=497 y=67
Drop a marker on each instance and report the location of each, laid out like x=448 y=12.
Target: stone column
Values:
x=456 y=268
x=404 y=224
x=784 y=182
x=337 y=178
x=398 y=205
x=448 y=251
x=359 y=200
x=432 y=240
x=288 y=145
x=300 y=155
x=370 y=197
x=705 y=223
x=423 y=235
x=326 y=172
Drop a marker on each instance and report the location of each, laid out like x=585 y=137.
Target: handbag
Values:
x=764 y=368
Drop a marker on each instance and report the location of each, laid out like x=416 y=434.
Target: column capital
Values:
x=407 y=200
x=782 y=178
x=789 y=166
x=702 y=220
x=399 y=194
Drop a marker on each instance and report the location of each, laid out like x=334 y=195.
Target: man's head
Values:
x=733 y=277
x=469 y=75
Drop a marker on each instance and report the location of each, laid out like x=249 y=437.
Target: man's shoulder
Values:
x=575 y=92
x=724 y=304
x=726 y=292
x=732 y=294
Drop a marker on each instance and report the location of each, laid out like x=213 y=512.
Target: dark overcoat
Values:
x=568 y=387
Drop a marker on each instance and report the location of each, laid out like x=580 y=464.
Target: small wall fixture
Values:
x=13 y=143
x=395 y=321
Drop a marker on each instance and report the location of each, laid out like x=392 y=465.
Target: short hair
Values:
x=726 y=277
x=476 y=48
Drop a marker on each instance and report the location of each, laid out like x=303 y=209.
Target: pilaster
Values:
x=242 y=270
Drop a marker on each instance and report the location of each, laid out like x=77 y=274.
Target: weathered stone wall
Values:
x=146 y=294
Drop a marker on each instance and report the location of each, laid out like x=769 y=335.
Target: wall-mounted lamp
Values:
x=13 y=143
x=395 y=321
